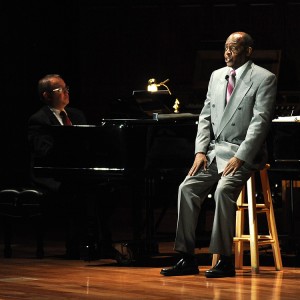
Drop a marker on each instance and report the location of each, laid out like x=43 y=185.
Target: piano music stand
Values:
x=153 y=102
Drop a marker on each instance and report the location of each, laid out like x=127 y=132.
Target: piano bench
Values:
x=253 y=237
x=19 y=205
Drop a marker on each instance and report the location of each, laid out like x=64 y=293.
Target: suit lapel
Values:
x=53 y=120
x=242 y=87
x=220 y=94
x=220 y=105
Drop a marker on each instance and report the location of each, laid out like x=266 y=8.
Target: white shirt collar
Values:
x=239 y=71
x=56 y=112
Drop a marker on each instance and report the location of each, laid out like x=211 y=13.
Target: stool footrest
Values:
x=258 y=206
x=246 y=237
x=262 y=240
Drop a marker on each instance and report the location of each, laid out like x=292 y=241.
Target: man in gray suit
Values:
x=230 y=145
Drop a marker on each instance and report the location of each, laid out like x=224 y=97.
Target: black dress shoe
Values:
x=183 y=267
x=223 y=268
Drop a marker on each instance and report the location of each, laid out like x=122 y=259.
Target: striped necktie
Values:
x=230 y=85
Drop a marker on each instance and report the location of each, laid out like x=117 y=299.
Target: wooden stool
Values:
x=254 y=238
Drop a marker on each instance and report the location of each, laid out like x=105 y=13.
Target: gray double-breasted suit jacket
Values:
x=241 y=127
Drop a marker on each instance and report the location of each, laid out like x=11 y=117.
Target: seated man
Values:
x=230 y=145
x=83 y=220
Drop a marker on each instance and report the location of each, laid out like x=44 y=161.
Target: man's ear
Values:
x=249 y=51
x=46 y=97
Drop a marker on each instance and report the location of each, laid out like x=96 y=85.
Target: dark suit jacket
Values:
x=41 y=142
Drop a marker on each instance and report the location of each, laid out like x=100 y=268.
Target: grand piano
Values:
x=136 y=150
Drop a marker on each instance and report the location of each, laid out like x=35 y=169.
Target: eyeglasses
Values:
x=62 y=90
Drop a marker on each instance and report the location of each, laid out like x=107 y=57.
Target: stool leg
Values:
x=253 y=225
x=239 y=231
x=271 y=219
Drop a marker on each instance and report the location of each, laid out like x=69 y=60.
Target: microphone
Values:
x=226 y=77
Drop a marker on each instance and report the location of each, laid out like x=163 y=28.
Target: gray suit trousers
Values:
x=191 y=195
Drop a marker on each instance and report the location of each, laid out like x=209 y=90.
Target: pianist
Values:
x=230 y=145
x=64 y=194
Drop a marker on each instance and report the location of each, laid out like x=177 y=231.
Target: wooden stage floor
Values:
x=25 y=277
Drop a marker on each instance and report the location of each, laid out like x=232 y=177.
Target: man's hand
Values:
x=200 y=159
x=232 y=166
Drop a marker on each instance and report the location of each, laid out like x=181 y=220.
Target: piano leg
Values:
x=150 y=243
x=143 y=243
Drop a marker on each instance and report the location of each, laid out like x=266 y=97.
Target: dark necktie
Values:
x=65 y=118
x=230 y=86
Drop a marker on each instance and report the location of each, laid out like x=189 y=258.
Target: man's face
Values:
x=58 y=97
x=235 y=53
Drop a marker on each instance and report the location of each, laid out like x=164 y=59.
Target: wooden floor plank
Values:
x=25 y=277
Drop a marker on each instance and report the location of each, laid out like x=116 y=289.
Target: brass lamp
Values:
x=153 y=87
